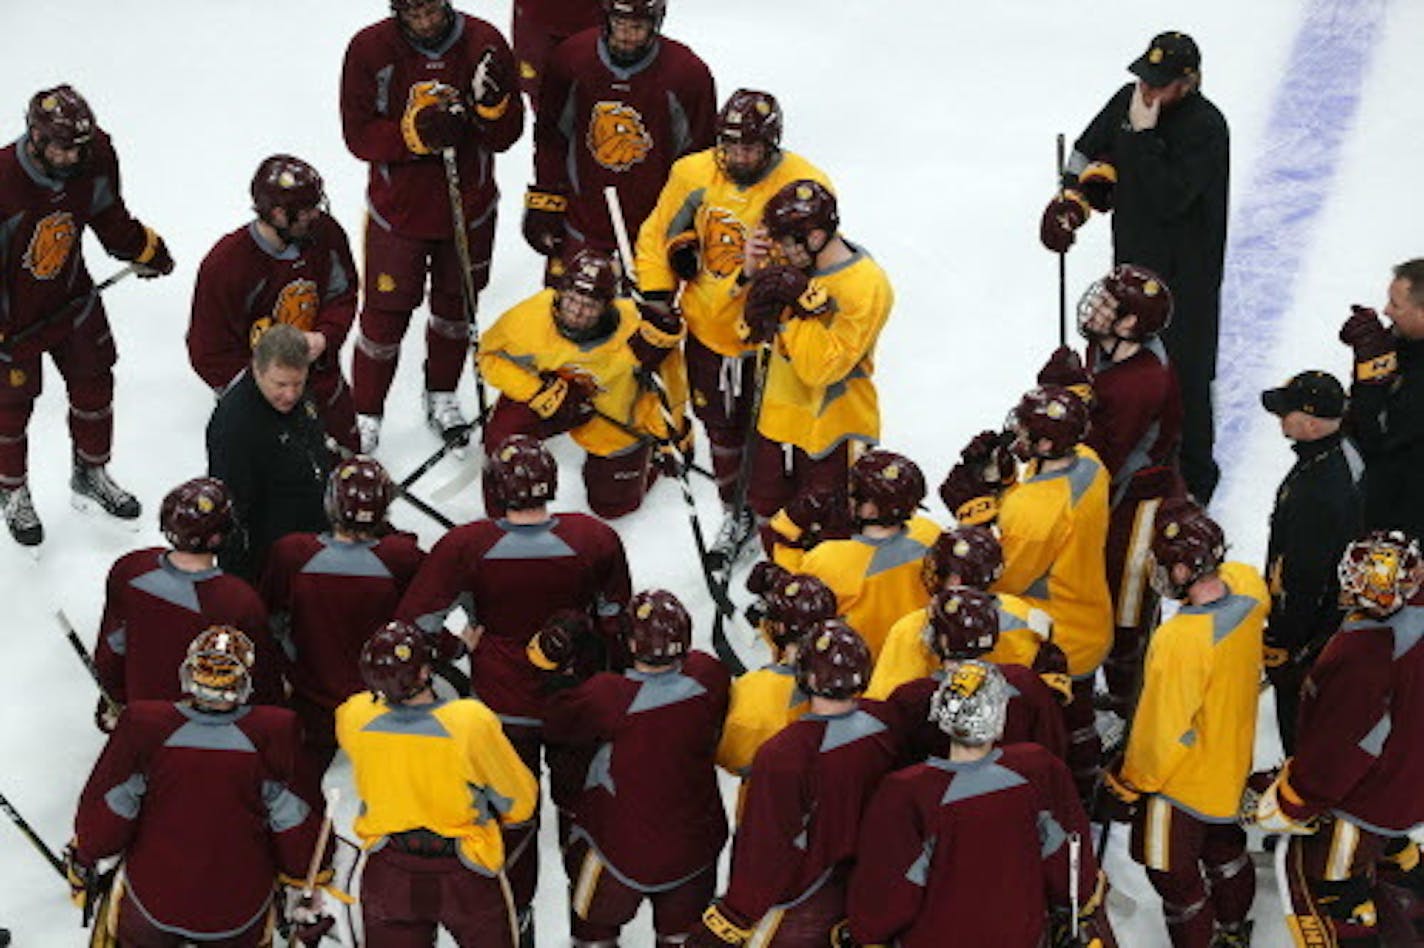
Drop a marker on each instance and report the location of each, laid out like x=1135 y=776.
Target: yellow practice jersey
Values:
x=445 y=767
x=526 y=341
x=699 y=197
x=1054 y=529
x=907 y=655
x=1195 y=726
x=818 y=385
x=763 y=702
x=876 y=582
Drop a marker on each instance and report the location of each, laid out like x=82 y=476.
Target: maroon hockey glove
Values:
x=441 y=124
x=764 y=575
x=1051 y=666
x=490 y=85
x=563 y=403
x=1063 y=215
x=1065 y=368
x=988 y=451
x=1375 y=358
x=1097 y=182
x=817 y=513
x=544 y=220
x=554 y=646
x=719 y=927
x=969 y=497
x=155 y=260
x=684 y=254
x=773 y=291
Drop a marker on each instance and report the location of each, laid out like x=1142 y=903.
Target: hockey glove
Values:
x=83 y=878
x=544 y=220
x=1051 y=666
x=718 y=928
x=490 y=86
x=1280 y=810
x=428 y=110
x=106 y=715
x=772 y=290
x=562 y=403
x=684 y=255
x=659 y=333
x=154 y=260
x=764 y=575
x=1375 y=358
x=1065 y=368
x=309 y=923
x=1119 y=799
x=988 y=451
x=553 y=647
x=1064 y=214
x=969 y=497
x=810 y=517
x=1097 y=182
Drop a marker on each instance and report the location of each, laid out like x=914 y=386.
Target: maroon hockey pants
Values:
x=394 y=286
x=1085 y=747
x=405 y=897
x=602 y=901
x=85 y=359
x=135 y=929
x=722 y=392
x=1134 y=602
x=782 y=471
x=333 y=399
x=1201 y=870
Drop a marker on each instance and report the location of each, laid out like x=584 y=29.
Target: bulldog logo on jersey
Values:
x=617 y=137
x=50 y=244
x=297 y=305
x=726 y=239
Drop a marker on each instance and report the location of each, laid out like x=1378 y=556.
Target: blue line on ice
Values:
x=1312 y=112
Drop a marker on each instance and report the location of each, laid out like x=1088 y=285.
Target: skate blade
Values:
x=92 y=507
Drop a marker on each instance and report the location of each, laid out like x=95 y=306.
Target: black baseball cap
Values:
x=1169 y=57
x=1314 y=392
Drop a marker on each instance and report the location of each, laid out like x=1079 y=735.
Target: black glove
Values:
x=1051 y=666
x=544 y=220
x=155 y=260
x=1064 y=214
x=1374 y=345
x=684 y=254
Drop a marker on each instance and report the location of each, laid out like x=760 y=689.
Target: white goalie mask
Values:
x=972 y=703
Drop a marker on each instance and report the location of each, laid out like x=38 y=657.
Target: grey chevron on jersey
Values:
x=169 y=585
x=848 y=728
x=520 y=544
x=337 y=558
x=659 y=691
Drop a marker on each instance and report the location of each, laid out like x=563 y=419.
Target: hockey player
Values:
x=292 y=264
x=1053 y=524
x=510 y=575
x=426 y=82
x=1158 y=157
x=963 y=624
x=538 y=27
x=976 y=847
x=876 y=573
x=767 y=699
x=60 y=176
x=805 y=794
x=196 y=797
x=1351 y=791
x=963 y=556
x=1193 y=732
x=1135 y=412
x=327 y=593
x=648 y=823
x=820 y=314
x=437 y=780
x=571 y=360
x=157 y=599
x=618 y=105
x=704 y=234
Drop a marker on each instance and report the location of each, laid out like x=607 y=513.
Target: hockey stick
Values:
x=33 y=837
x=110 y=705
x=467 y=277
x=68 y=309
x=1062 y=263
x=333 y=796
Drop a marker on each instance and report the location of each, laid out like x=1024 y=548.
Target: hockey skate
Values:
x=92 y=486
x=442 y=413
x=731 y=542
x=1232 y=934
x=369 y=428
x=20 y=516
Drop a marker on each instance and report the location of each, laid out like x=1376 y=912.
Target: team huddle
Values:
x=952 y=719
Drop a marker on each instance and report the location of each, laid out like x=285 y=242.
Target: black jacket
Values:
x=275 y=464
x=1170 y=208
x=1387 y=421
x=1317 y=512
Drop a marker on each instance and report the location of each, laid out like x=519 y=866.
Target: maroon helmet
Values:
x=833 y=662
x=1183 y=534
x=1380 y=572
x=394 y=659
x=196 y=516
x=971 y=553
x=891 y=481
x=799 y=208
x=1052 y=413
x=794 y=603
x=964 y=623
x=592 y=273
x=60 y=116
x=524 y=473
x=1137 y=291
x=433 y=39
x=652 y=11
x=659 y=628
x=749 y=117
x=358 y=492
x=286 y=182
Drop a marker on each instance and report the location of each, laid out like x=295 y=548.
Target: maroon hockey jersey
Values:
x=650 y=804
x=510 y=578
x=971 y=853
x=199 y=806
x=562 y=17
x=42 y=223
x=600 y=124
x=1034 y=715
x=245 y=286
x=326 y=596
x=1137 y=418
x=1361 y=726
x=153 y=611
x=804 y=797
x=405 y=192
